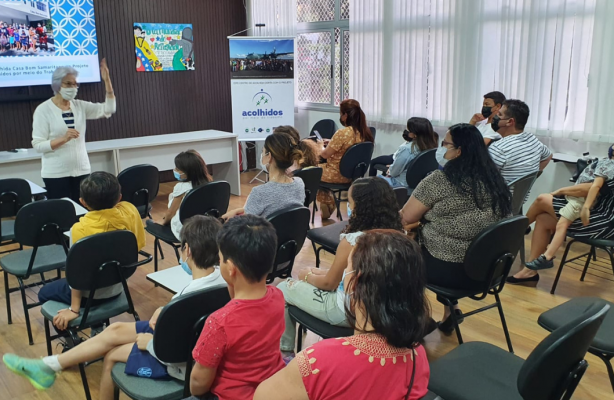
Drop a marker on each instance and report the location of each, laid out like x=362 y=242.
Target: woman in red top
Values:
x=389 y=311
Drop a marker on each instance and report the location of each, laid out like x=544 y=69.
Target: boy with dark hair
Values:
x=239 y=345
x=493 y=102
x=101 y=195
x=121 y=341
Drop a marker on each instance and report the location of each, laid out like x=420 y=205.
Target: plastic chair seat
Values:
x=317 y=326
x=162 y=232
x=336 y=186
x=47 y=258
x=146 y=389
x=97 y=314
x=568 y=311
x=476 y=371
x=327 y=236
x=594 y=242
x=142 y=211
x=431 y=396
x=454 y=294
x=8 y=230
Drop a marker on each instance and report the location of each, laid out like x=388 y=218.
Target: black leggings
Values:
x=64 y=187
x=447 y=274
x=382 y=160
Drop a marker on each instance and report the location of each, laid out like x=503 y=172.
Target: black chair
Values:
x=96 y=262
x=606 y=245
x=327 y=238
x=481 y=371
x=353 y=165
x=521 y=188
x=315 y=325
x=209 y=199
x=14 y=194
x=311 y=178
x=291 y=226
x=40 y=225
x=325 y=127
x=488 y=261
x=603 y=343
x=402 y=196
x=140 y=185
x=373 y=132
x=419 y=168
x=177 y=330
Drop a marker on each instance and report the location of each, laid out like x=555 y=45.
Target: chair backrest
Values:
x=421 y=166
x=180 y=324
x=140 y=185
x=402 y=196
x=325 y=127
x=556 y=365
x=43 y=223
x=291 y=225
x=521 y=188
x=492 y=252
x=209 y=199
x=355 y=161
x=311 y=178
x=14 y=194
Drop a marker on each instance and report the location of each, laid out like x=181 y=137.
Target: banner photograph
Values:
x=262 y=58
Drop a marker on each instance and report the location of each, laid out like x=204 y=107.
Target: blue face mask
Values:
x=185 y=267
x=177 y=176
x=349 y=210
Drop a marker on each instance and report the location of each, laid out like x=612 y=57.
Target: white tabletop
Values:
x=172 y=279
x=35 y=189
x=79 y=210
x=568 y=158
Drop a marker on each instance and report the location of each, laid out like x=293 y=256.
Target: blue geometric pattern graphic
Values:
x=74 y=27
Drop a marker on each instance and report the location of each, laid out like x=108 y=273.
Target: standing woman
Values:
x=355 y=131
x=58 y=131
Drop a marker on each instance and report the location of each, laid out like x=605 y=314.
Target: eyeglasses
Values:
x=70 y=85
x=446 y=144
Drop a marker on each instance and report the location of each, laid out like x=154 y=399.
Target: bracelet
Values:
x=110 y=93
x=76 y=312
x=307 y=276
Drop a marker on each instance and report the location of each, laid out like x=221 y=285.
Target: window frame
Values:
x=327 y=26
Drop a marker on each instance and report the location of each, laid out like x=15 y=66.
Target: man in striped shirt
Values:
x=518 y=153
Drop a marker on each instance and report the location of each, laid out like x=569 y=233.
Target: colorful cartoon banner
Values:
x=262 y=85
x=163 y=47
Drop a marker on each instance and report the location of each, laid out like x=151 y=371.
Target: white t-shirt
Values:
x=177 y=371
x=180 y=188
x=486 y=130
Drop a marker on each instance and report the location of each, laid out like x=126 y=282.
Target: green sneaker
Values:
x=38 y=373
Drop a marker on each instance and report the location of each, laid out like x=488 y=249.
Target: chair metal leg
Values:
x=299 y=338
x=313 y=213
x=116 y=392
x=7 y=294
x=74 y=338
x=588 y=262
x=561 y=265
x=609 y=251
x=26 y=313
x=505 y=330
x=317 y=254
x=48 y=337
x=338 y=202
x=523 y=261
x=454 y=320
x=156 y=244
x=594 y=254
x=318 y=257
x=177 y=253
x=161 y=252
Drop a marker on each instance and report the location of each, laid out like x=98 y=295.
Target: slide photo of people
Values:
x=163 y=47
x=261 y=58
x=26 y=29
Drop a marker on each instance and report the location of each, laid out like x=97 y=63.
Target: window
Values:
x=322 y=51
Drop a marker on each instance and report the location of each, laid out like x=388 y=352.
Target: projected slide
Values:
x=37 y=36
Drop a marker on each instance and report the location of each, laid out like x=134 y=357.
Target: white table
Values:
x=35 y=189
x=218 y=149
x=567 y=158
x=172 y=279
x=79 y=209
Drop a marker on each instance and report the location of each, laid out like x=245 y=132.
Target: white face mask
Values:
x=264 y=166
x=68 y=94
x=439 y=155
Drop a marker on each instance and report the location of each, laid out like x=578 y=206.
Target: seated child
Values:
x=191 y=172
x=579 y=203
x=239 y=345
x=101 y=195
x=116 y=343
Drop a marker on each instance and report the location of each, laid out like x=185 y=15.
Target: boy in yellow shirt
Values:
x=101 y=195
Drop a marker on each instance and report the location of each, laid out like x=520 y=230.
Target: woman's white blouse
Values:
x=71 y=158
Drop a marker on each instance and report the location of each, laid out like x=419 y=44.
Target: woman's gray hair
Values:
x=59 y=74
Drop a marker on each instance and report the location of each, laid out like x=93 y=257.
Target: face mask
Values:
x=177 y=176
x=486 y=112
x=495 y=123
x=185 y=267
x=439 y=155
x=349 y=210
x=68 y=94
x=264 y=166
